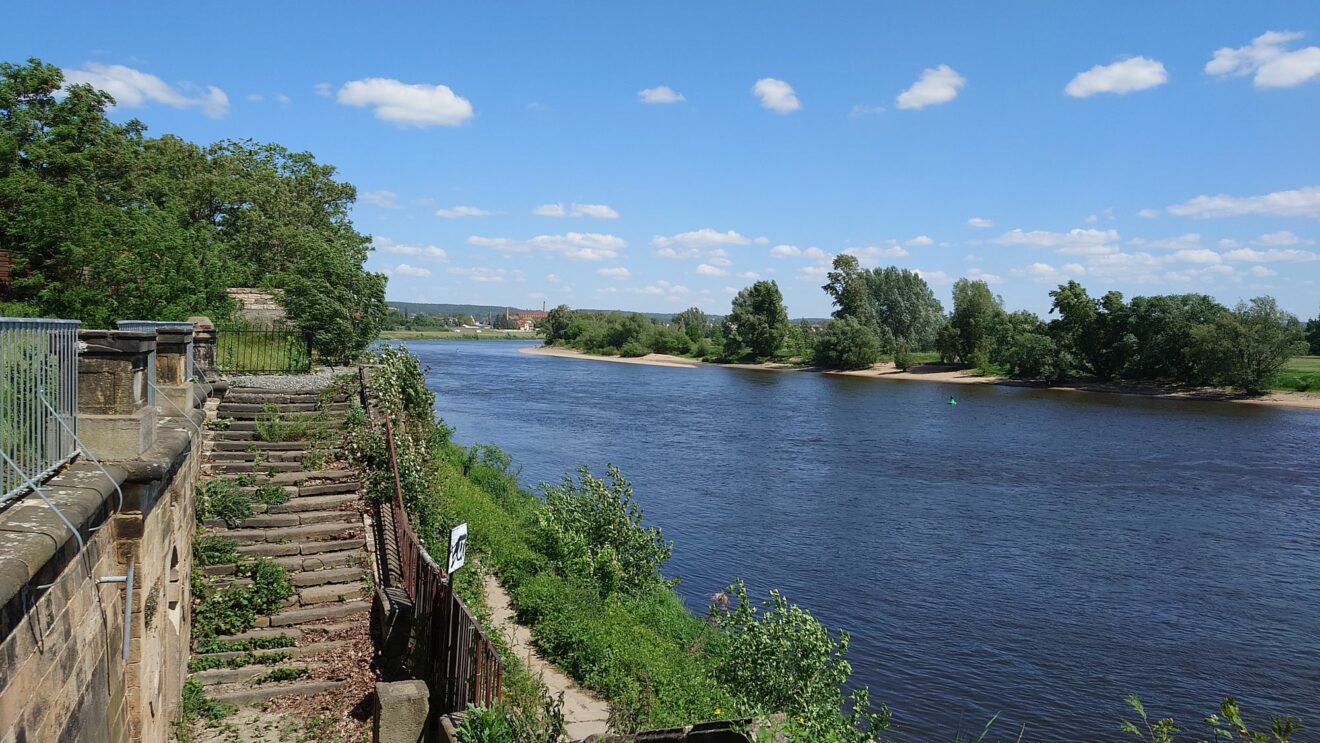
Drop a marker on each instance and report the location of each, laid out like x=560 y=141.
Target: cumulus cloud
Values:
x=1178 y=242
x=403 y=269
x=407 y=104
x=1301 y=202
x=920 y=241
x=325 y=90
x=383 y=199
x=133 y=89
x=785 y=251
x=980 y=223
x=662 y=289
x=935 y=86
x=870 y=255
x=660 y=94
x=1195 y=255
x=387 y=245
x=1149 y=213
x=598 y=211
x=749 y=275
x=1045 y=239
x=1268 y=58
x=776 y=95
x=457 y=212
x=699 y=239
x=482 y=274
x=585 y=246
x=1122 y=77
x=618 y=273
x=705 y=269
x=865 y=109
x=976 y=274
x=1282 y=237
x=933 y=277
x=1273 y=255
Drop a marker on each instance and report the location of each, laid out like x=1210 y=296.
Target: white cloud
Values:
x=815 y=253
x=323 y=89
x=383 y=199
x=586 y=246
x=785 y=251
x=1125 y=76
x=865 y=109
x=1262 y=272
x=662 y=289
x=1076 y=238
x=976 y=274
x=660 y=94
x=933 y=277
x=403 y=269
x=980 y=222
x=255 y=97
x=776 y=95
x=1273 y=255
x=133 y=89
x=457 y=212
x=763 y=240
x=1190 y=240
x=705 y=269
x=870 y=255
x=1268 y=57
x=482 y=274
x=1282 y=237
x=553 y=278
x=407 y=104
x=920 y=241
x=749 y=275
x=389 y=246
x=699 y=239
x=1195 y=255
x=1149 y=213
x=936 y=85
x=598 y=211
x=618 y=273
x=1047 y=274
x=283 y=99
x=718 y=257
x=1301 y=202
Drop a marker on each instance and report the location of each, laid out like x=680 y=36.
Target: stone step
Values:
x=295 y=617
x=266 y=455
x=298 y=651
x=249 y=427
x=328 y=576
x=238 y=468
x=229 y=409
x=266 y=549
x=261 y=634
x=261 y=445
x=301 y=503
x=251 y=395
x=297 y=563
x=330 y=488
x=282 y=520
x=298 y=478
x=297 y=535
x=332 y=593
x=240 y=695
x=241 y=675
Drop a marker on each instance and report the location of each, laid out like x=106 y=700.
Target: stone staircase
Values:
x=318 y=535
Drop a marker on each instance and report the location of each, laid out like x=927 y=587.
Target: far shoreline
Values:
x=939 y=373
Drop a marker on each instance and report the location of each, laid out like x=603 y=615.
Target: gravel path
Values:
x=317 y=380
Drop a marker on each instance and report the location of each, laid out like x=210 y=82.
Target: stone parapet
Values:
x=115 y=419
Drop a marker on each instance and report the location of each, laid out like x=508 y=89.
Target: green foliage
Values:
x=594 y=529
x=1250 y=346
x=197 y=706
x=209 y=662
x=286 y=673
x=847 y=343
x=556 y=324
x=219 y=424
x=896 y=304
x=903 y=358
x=216 y=645
x=972 y=329
x=1313 y=336
x=234 y=608
x=779 y=658
x=209 y=549
x=484 y=725
x=757 y=322
x=1228 y=724
x=271 y=426
x=270 y=494
x=105 y=223
x=225 y=500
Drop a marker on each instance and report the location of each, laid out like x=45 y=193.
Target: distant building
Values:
x=525 y=320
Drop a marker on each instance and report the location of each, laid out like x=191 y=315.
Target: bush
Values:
x=484 y=725
x=213 y=550
x=903 y=359
x=847 y=343
x=633 y=349
x=230 y=609
x=197 y=706
x=224 y=500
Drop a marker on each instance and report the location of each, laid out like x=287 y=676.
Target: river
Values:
x=1031 y=553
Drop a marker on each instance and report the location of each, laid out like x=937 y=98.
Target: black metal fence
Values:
x=263 y=350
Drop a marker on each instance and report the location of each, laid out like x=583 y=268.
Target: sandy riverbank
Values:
x=651 y=359
x=938 y=373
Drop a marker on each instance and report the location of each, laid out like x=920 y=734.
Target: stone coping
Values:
x=35 y=544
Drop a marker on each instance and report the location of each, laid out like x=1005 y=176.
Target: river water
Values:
x=1036 y=554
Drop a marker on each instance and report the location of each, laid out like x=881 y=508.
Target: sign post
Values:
x=457 y=547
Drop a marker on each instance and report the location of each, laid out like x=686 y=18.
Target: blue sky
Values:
x=653 y=157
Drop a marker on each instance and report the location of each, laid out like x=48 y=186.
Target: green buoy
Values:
x=952 y=401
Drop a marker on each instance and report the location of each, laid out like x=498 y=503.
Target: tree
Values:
x=1090 y=331
x=1251 y=344
x=847 y=286
x=692 y=321
x=556 y=324
x=975 y=324
x=1159 y=343
x=847 y=343
x=1313 y=336
x=757 y=323
x=904 y=307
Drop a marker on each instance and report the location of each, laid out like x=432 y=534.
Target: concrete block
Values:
x=400 y=712
x=118 y=437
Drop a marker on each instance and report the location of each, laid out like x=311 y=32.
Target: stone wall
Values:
x=257 y=306
x=63 y=671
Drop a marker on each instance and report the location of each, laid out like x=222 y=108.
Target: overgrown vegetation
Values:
x=209 y=549
x=217 y=645
x=160 y=227
x=233 y=608
x=198 y=706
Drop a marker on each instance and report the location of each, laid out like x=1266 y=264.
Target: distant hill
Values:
x=481 y=310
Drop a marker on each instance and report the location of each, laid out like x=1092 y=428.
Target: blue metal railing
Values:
x=38 y=359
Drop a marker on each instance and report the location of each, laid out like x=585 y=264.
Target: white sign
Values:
x=457 y=547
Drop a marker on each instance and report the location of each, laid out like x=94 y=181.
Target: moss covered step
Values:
x=238 y=694
x=297 y=535
x=295 y=652
x=295 y=617
x=299 y=478
x=261 y=445
x=289 y=549
x=299 y=563
x=282 y=520
x=253 y=674
x=238 y=468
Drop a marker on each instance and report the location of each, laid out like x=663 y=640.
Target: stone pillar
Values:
x=400 y=712
x=173 y=351
x=204 y=335
x=115 y=421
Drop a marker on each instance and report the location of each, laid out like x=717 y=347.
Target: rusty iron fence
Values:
x=38 y=400
x=448 y=649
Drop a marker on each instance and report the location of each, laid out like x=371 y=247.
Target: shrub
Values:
x=594 y=529
x=225 y=500
x=271 y=427
x=197 y=706
x=230 y=609
x=847 y=343
x=270 y=495
x=209 y=549
x=903 y=359
x=484 y=725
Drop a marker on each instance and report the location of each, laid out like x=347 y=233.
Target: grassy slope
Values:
x=645 y=653
x=1302 y=373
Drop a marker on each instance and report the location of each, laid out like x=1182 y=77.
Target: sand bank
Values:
x=651 y=359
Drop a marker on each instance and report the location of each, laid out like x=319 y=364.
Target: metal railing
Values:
x=38 y=359
x=449 y=650
x=270 y=350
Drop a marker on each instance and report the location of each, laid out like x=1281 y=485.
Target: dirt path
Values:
x=585 y=713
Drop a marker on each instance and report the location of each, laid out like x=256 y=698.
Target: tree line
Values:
x=1175 y=339
x=104 y=223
